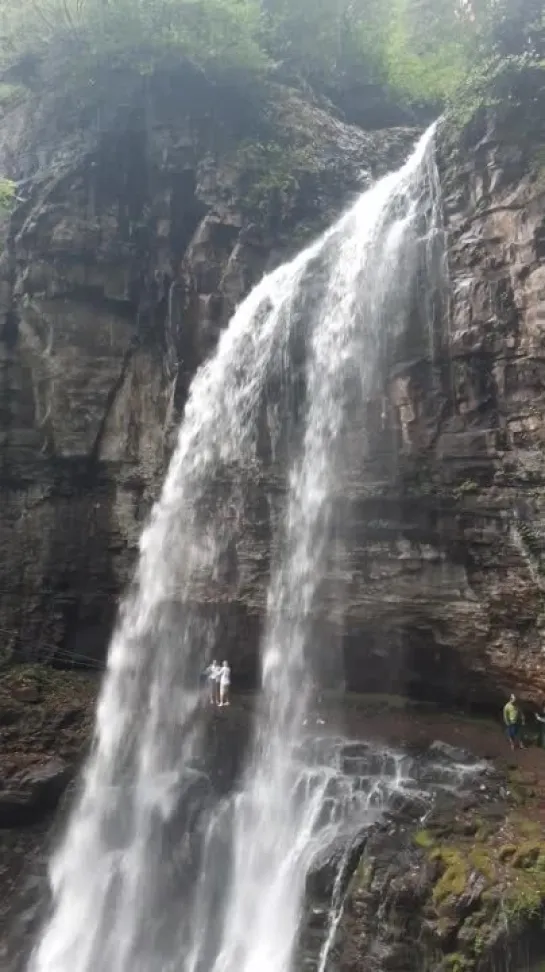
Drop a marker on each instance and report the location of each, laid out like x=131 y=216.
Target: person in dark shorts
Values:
x=513 y=721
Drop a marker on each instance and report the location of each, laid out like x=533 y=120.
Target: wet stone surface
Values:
x=427 y=826
x=396 y=791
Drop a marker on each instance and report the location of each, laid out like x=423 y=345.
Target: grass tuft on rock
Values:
x=454 y=874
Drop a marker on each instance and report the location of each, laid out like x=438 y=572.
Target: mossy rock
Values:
x=524 y=903
x=423 y=838
x=482 y=859
x=488 y=889
x=457 y=962
x=455 y=872
x=530 y=829
x=528 y=854
x=363 y=875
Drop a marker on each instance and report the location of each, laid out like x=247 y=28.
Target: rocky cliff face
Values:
x=462 y=571
x=132 y=241
x=130 y=245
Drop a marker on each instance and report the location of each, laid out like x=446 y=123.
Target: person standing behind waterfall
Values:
x=225 y=683
x=213 y=675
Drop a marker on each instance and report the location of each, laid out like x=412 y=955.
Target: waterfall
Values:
x=156 y=873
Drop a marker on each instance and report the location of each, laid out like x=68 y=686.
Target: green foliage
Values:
x=454 y=875
x=525 y=897
x=223 y=34
x=7 y=195
x=466 y=488
x=428 y=48
x=324 y=39
x=363 y=876
x=465 y=53
x=508 y=28
x=532 y=544
x=400 y=43
x=508 y=55
x=525 y=905
x=271 y=168
x=423 y=838
x=456 y=962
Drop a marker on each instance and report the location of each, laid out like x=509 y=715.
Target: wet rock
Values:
x=134 y=245
x=450 y=753
x=460 y=888
x=26 y=693
x=9 y=715
x=340 y=856
x=389 y=880
x=71 y=717
x=32 y=795
x=132 y=251
x=438 y=558
x=23 y=867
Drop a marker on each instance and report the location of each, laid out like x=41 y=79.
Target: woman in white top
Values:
x=213 y=675
x=225 y=682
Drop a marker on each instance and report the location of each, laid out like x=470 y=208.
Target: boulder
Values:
x=32 y=795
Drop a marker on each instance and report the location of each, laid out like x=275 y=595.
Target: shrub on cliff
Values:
x=7 y=195
x=508 y=66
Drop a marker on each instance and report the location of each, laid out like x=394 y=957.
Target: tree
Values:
x=429 y=47
x=511 y=27
x=219 y=33
x=422 y=50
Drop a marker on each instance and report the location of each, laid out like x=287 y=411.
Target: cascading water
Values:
x=115 y=880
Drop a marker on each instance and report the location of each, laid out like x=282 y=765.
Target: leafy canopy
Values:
x=421 y=50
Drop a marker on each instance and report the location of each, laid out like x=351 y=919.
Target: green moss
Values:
x=480 y=858
x=479 y=943
x=514 y=873
x=528 y=828
x=454 y=873
x=524 y=903
x=520 y=889
x=363 y=875
x=465 y=489
x=457 y=962
x=524 y=897
x=423 y=838
x=533 y=545
x=7 y=195
x=527 y=854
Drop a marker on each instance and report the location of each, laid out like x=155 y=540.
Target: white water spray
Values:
x=117 y=906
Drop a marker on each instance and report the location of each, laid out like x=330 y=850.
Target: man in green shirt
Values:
x=513 y=720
